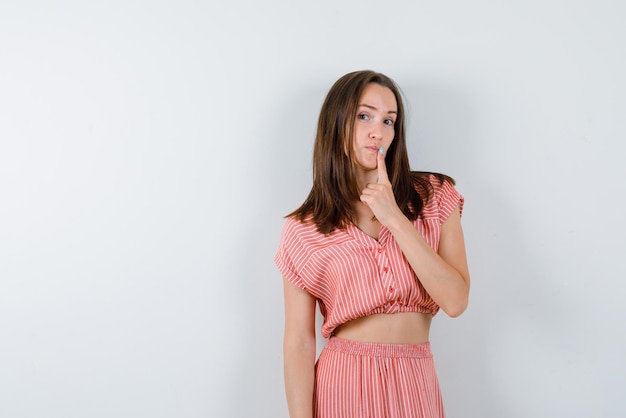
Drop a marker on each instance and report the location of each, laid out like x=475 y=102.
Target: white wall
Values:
x=149 y=149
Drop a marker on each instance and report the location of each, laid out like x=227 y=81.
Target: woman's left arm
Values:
x=444 y=274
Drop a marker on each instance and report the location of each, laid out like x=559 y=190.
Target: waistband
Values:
x=379 y=349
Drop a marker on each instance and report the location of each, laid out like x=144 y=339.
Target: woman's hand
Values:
x=379 y=196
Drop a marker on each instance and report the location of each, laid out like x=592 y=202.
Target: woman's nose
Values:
x=375 y=133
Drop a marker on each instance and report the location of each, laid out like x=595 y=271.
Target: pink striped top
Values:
x=353 y=275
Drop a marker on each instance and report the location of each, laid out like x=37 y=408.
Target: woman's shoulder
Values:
x=295 y=226
x=429 y=184
x=307 y=224
x=434 y=179
x=438 y=192
x=303 y=228
x=304 y=237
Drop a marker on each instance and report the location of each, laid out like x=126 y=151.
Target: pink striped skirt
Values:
x=371 y=380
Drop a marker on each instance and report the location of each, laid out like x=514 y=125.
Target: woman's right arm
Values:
x=299 y=349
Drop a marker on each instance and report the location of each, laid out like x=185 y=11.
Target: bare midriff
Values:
x=399 y=328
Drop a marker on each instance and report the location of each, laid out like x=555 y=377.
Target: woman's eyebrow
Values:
x=375 y=108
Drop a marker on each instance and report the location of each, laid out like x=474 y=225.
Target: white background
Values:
x=148 y=150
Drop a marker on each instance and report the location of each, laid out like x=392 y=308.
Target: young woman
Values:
x=380 y=248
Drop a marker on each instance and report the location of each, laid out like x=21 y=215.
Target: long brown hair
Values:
x=334 y=191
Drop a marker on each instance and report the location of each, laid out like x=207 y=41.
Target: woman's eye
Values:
x=389 y=122
x=363 y=116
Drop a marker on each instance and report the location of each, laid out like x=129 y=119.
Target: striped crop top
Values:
x=353 y=275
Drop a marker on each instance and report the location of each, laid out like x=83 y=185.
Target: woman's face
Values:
x=374 y=125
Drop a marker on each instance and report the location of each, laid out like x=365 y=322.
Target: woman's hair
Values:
x=330 y=201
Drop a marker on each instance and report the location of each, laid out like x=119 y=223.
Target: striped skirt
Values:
x=370 y=380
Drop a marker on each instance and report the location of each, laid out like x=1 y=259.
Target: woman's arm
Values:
x=299 y=350
x=445 y=274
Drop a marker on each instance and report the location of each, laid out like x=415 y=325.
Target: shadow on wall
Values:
x=439 y=129
x=286 y=180
x=484 y=356
x=513 y=318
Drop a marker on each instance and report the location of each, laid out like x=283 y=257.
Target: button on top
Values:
x=380 y=250
x=385 y=269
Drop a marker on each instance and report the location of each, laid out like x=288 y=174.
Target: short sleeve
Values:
x=448 y=199
x=289 y=252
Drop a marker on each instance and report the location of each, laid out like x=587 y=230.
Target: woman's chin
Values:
x=367 y=168
x=368 y=164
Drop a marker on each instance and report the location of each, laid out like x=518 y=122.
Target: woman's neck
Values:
x=365 y=177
